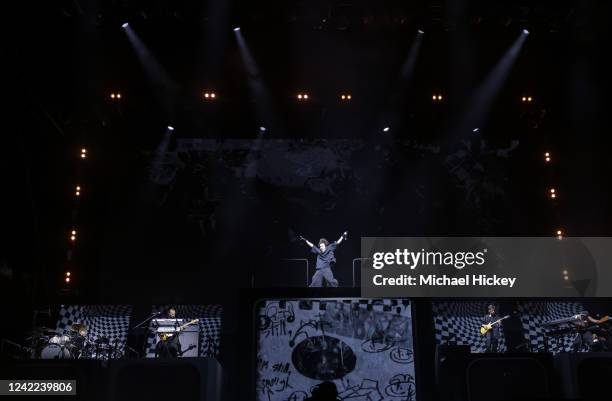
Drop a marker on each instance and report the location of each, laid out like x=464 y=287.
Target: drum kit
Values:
x=74 y=343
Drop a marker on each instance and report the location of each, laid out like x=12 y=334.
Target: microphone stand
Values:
x=139 y=325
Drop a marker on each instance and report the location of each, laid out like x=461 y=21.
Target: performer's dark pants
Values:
x=492 y=341
x=168 y=349
x=324 y=275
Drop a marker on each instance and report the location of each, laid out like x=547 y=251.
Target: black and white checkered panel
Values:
x=111 y=322
x=69 y=315
x=534 y=314
x=209 y=327
x=459 y=323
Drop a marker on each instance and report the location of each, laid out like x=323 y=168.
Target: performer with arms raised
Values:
x=325 y=260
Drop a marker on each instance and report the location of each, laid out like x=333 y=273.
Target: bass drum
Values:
x=55 y=351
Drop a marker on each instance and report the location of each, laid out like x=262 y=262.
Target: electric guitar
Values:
x=167 y=336
x=485 y=328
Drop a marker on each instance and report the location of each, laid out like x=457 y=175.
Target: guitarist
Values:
x=492 y=336
x=171 y=347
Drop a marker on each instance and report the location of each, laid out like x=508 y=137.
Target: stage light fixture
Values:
x=302 y=96
x=262 y=129
x=236 y=29
x=523 y=99
x=475 y=130
x=439 y=97
x=547 y=157
x=434 y=97
x=118 y=95
x=170 y=128
x=525 y=31
x=210 y=95
x=83 y=153
x=125 y=25
x=112 y=96
x=67 y=279
x=529 y=99
x=420 y=31
x=67 y=274
x=560 y=234
x=386 y=129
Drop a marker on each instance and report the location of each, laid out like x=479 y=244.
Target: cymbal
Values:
x=78 y=327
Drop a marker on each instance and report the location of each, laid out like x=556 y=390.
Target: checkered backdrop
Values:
x=459 y=323
x=102 y=321
x=209 y=325
x=534 y=314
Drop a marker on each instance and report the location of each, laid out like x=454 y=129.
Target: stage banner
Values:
x=335 y=349
x=564 y=267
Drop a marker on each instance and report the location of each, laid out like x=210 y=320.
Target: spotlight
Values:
x=560 y=234
x=78 y=191
x=213 y=95
x=237 y=29
x=118 y=95
x=67 y=274
x=305 y=96
x=525 y=31
x=299 y=96
x=262 y=129
x=386 y=129
x=523 y=99
x=547 y=157
x=345 y=97
x=170 y=128
x=67 y=279
x=529 y=99
x=475 y=130
x=434 y=97
x=302 y=96
x=210 y=95
x=207 y=95
x=439 y=97
x=112 y=95
x=420 y=32
x=83 y=153
x=125 y=25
